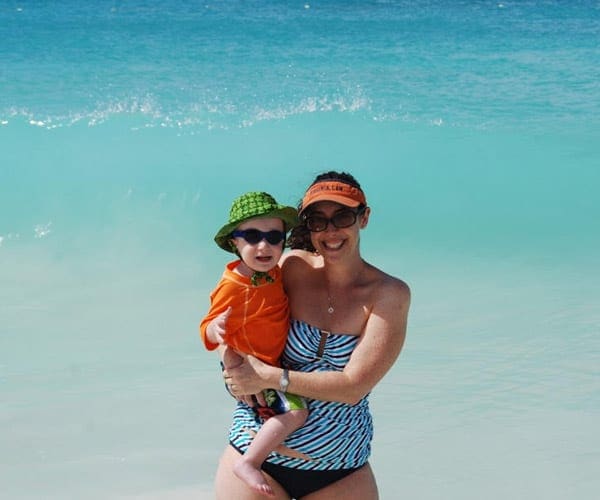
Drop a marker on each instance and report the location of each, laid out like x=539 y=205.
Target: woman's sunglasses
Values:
x=342 y=219
x=254 y=236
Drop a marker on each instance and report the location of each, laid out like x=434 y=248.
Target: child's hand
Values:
x=216 y=329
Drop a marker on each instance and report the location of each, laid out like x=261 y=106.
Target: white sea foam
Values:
x=42 y=230
x=310 y=105
x=224 y=115
x=147 y=113
x=143 y=105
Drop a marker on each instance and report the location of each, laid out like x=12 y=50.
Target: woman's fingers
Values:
x=260 y=398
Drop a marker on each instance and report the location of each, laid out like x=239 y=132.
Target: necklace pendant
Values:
x=330 y=309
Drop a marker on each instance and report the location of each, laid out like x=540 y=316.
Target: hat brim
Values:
x=342 y=200
x=335 y=191
x=288 y=215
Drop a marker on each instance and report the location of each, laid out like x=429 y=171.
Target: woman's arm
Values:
x=377 y=350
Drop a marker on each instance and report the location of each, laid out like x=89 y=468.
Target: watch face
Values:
x=284 y=381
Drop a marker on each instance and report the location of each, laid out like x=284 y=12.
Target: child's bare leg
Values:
x=270 y=435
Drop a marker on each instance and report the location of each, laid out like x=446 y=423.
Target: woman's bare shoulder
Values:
x=297 y=267
x=391 y=289
x=298 y=259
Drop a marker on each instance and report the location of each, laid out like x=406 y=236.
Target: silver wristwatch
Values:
x=284 y=381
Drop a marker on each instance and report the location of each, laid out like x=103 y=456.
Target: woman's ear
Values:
x=364 y=218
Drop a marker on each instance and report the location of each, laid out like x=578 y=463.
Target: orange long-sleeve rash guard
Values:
x=259 y=319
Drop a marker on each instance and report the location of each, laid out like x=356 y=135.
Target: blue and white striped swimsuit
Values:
x=335 y=435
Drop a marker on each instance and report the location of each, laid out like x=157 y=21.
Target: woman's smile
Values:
x=333 y=244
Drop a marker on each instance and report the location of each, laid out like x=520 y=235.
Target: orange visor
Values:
x=338 y=192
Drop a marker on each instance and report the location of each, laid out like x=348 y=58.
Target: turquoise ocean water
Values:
x=126 y=128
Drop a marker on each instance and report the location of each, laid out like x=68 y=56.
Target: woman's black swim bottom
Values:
x=299 y=482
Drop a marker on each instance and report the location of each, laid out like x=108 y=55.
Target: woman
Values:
x=348 y=327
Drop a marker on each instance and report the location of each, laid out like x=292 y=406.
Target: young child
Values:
x=249 y=313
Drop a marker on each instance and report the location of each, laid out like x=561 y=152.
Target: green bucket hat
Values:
x=250 y=205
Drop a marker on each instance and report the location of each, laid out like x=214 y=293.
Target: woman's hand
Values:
x=236 y=381
x=251 y=376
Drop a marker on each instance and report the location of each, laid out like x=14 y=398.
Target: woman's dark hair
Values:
x=300 y=236
x=332 y=175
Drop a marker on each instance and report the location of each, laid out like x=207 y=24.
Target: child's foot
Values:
x=253 y=477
